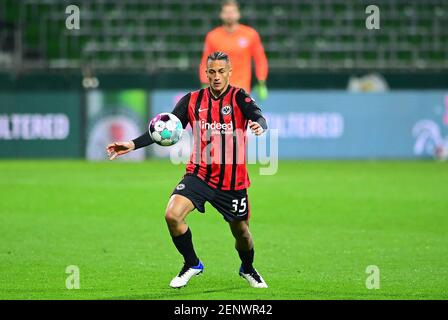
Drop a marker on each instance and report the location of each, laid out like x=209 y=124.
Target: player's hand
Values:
x=255 y=127
x=261 y=90
x=119 y=148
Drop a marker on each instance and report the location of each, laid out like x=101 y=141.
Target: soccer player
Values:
x=216 y=172
x=241 y=43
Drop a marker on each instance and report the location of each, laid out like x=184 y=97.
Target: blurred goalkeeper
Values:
x=241 y=43
x=216 y=173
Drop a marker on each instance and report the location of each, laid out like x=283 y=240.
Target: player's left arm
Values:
x=252 y=112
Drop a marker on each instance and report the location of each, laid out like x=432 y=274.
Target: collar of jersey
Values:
x=221 y=95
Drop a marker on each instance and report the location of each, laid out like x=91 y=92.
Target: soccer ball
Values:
x=165 y=129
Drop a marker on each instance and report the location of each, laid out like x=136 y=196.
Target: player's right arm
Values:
x=116 y=149
x=119 y=148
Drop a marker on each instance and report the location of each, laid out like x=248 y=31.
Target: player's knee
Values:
x=245 y=235
x=241 y=232
x=173 y=217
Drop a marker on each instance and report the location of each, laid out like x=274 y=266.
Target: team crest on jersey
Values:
x=226 y=110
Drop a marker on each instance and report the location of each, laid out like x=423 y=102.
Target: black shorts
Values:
x=232 y=204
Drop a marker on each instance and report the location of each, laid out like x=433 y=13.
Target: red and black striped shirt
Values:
x=219 y=132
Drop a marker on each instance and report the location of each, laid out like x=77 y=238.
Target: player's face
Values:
x=218 y=73
x=230 y=14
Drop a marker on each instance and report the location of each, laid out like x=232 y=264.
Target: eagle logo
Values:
x=226 y=110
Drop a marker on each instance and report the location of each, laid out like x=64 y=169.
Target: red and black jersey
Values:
x=219 y=132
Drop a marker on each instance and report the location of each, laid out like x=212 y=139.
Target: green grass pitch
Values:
x=317 y=225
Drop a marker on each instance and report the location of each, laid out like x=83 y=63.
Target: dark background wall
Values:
x=171 y=80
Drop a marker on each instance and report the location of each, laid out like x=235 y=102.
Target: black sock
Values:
x=247 y=259
x=184 y=245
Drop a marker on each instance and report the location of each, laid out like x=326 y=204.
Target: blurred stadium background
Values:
x=336 y=91
x=133 y=53
x=146 y=35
